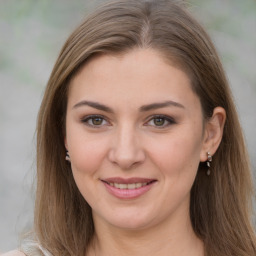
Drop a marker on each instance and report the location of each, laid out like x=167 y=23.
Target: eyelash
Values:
x=87 y=119
x=167 y=121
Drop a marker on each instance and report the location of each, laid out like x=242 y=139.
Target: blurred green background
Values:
x=31 y=35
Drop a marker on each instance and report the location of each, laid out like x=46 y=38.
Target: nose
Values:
x=126 y=149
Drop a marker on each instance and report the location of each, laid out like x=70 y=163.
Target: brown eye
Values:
x=95 y=121
x=159 y=121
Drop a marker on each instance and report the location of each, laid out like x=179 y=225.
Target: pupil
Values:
x=97 y=121
x=159 y=121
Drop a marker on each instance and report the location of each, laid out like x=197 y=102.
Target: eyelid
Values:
x=87 y=118
x=169 y=119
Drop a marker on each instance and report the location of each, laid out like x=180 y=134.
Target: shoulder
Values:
x=13 y=253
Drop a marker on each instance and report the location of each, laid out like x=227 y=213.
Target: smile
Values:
x=128 y=188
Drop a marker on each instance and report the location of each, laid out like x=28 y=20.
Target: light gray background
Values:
x=31 y=35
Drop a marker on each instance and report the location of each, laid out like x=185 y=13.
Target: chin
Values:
x=131 y=225
x=130 y=221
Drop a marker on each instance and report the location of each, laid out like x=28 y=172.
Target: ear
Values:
x=213 y=133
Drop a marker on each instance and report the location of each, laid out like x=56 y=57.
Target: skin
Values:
x=133 y=141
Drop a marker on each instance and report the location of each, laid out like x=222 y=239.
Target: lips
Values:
x=127 y=181
x=128 y=188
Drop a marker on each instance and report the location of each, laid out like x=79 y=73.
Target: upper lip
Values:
x=127 y=180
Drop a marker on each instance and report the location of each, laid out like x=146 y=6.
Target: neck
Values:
x=171 y=237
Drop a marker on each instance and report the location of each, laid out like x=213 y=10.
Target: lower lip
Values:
x=128 y=193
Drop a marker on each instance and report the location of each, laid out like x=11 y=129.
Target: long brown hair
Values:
x=220 y=206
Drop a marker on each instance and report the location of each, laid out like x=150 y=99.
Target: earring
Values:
x=208 y=163
x=67 y=156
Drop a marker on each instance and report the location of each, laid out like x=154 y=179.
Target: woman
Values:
x=139 y=147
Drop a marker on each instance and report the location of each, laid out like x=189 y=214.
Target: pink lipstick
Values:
x=128 y=188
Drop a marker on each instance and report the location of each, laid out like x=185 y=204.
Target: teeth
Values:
x=139 y=185
x=123 y=186
x=132 y=186
x=128 y=186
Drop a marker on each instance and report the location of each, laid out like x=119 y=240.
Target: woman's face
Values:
x=134 y=132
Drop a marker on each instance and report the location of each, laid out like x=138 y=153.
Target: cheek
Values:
x=86 y=152
x=177 y=154
x=86 y=158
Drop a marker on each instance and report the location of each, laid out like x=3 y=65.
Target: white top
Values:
x=29 y=248
x=13 y=253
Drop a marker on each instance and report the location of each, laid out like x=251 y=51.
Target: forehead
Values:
x=138 y=75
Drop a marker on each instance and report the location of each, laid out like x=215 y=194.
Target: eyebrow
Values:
x=160 y=105
x=94 y=105
x=143 y=108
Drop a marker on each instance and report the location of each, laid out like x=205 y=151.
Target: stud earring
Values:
x=208 y=163
x=67 y=156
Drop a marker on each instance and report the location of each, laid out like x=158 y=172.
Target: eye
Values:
x=95 y=121
x=160 y=121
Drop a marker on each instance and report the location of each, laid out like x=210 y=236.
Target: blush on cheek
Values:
x=86 y=165
x=174 y=158
x=86 y=159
